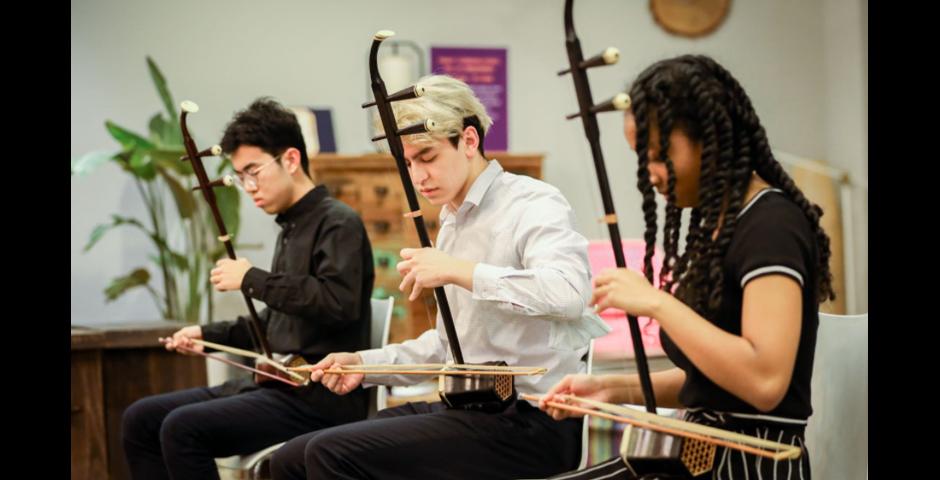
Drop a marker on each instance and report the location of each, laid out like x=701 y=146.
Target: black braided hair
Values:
x=697 y=95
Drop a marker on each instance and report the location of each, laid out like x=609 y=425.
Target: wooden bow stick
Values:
x=299 y=379
x=238 y=365
x=427 y=369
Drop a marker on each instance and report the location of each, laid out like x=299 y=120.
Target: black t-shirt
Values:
x=772 y=236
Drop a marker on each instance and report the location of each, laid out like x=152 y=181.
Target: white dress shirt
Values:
x=531 y=285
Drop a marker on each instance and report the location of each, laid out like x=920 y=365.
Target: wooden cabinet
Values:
x=372 y=186
x=111 y=367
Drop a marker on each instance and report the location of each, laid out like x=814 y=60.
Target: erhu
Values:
x=490 y=392
x=268 y=368
x=643 y=449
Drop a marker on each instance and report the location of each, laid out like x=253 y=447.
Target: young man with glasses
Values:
x=317 y=295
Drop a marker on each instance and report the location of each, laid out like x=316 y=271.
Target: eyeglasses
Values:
x=249 y=180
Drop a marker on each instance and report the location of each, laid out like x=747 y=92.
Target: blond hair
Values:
x=446 y=101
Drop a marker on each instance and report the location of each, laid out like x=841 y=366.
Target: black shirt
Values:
x=772 y=236
x=317 y=292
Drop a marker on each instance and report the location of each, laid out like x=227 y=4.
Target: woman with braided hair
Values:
x=738 y=306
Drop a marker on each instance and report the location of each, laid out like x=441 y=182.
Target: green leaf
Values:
x=123 y=159
x=155 y=126
x=170 y=159
x=165 y=133
x=116 y=220
x=128 y=139
x=88 y=162
x=160 y=82
x=101 y=229
x=217 y=252
x=228 y=200
x=224 y=165
x=141 y=164
x=185 y=202
x=176 y=260
x=179 y=260
x=96 y=235
x=172 y=135
x=121 y=285
x=192 y=309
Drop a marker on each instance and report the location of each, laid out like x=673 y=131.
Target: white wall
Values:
x=845 y=41
x=223 y=54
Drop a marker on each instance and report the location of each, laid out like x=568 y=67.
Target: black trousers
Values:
x=179 y=434
x=430 y=441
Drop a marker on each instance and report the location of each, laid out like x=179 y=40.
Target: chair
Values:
x=837 y=434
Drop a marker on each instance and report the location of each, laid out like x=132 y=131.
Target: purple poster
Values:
x=484 y=69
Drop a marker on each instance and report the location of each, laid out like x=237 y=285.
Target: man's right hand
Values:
x=339 y=384
x=184 y=338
